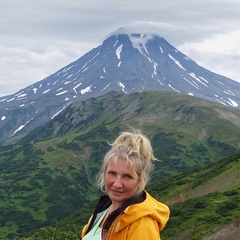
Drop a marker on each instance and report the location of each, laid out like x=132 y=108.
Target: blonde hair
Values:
x=135 y=148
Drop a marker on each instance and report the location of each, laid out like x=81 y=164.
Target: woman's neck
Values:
x=115 y=205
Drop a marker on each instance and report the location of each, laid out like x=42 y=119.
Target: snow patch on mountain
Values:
x=118 y=51
x=198 y=79
x=21 y=127
x=10 y=100
x=105 y=87
x=191 y=82
x=86 y=90
x=61 y=93
x=173 y=88
x=139 y=42
x=229 y=92
x=46 y=91
x=233 y=103
x=221 y=101
x=122 y=86
x=22 y=95
x=176 y=62
x=160 y=82
x=74 y=89
x=34 y=90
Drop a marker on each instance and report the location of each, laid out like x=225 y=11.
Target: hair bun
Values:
x=138 y=143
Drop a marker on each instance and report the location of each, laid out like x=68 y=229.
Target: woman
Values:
x=127 y=212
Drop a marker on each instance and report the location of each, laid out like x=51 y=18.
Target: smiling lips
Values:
x=117 y=192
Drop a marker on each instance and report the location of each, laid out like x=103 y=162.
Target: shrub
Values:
x=224 y=207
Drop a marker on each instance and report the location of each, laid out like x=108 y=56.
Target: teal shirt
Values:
x=96 y=231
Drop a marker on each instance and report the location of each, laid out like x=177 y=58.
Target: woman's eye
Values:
x=111 y=173
x=128 y=176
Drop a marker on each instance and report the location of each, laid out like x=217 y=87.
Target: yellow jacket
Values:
x=140 y=221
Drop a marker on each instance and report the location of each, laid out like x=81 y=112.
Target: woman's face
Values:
x=121 y=181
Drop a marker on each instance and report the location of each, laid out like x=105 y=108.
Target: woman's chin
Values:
x=116 y=196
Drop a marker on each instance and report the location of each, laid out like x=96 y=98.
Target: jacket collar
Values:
x=104 y=202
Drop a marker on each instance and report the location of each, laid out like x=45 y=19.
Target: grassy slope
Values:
x=202 y=203
x=41 y=182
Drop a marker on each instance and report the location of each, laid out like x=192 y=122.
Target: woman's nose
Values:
x=117 y=183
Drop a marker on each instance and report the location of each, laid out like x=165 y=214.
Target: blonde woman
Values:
x=127 y=211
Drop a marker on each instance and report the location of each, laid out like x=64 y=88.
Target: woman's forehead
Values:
x=120 y=164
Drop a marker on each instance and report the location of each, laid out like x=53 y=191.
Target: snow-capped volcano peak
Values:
x=130 y=59
x=139 y=40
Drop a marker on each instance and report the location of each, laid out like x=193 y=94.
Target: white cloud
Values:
x=40 y=37
x=146 y=27
x=220 y=54
x=226 y=43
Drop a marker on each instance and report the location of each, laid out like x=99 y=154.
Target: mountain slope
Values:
x=203 y=203
x=212 y=206
x=123 y=62
x=52 y=174
x=170 y=112
x=211 y=215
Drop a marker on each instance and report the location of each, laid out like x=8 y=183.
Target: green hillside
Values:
x=186 y=132
x=50 y=173
x=203 y=203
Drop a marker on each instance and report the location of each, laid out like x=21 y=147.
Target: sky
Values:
x=37 y=38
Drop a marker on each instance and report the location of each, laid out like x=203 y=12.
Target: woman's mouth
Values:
x=117 y=191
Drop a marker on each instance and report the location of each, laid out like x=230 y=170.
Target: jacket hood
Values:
x=149 y=208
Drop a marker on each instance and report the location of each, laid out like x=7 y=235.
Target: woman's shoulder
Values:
x=150 y=207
